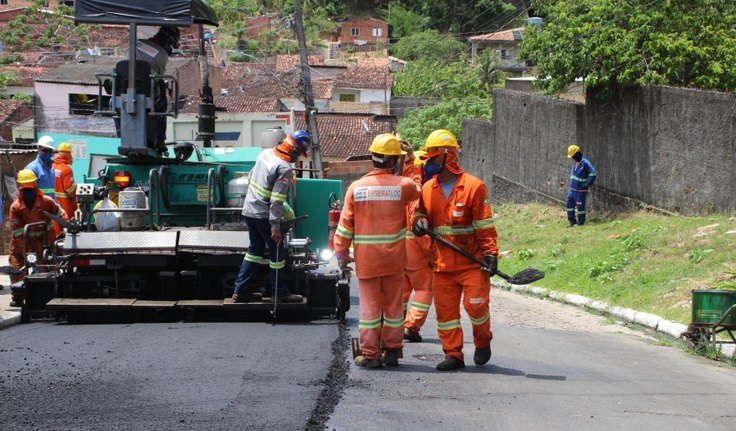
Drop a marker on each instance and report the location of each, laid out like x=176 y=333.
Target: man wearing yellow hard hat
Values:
x=65 y=188
x=456 y=206
x=29 y=208
x=373 y=219
x=582 y=176
x=418 y=274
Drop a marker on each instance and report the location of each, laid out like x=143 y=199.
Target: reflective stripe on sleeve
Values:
x=482 y=224
x=344 y=232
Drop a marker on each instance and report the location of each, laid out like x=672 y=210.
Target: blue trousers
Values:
x=259 y=231
x=576 y=201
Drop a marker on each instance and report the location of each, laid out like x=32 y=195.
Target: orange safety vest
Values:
x=418 y=252
x=465 y=219
x=64 y=186
x=20 y=216
x=373 y=219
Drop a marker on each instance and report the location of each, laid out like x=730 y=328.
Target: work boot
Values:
x=246 y=297
x=391 y=357
x=289 y=298
x=362 y=361
x=482 y=356
x=450 y=363
x=572 y=223
x=412 y=336
x=16 y=303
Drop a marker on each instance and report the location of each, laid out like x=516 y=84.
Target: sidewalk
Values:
x=9 y=316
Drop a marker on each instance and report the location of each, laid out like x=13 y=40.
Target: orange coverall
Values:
x=466 y=219
x=20 y=216
x=418 y=275
x=374 y=220
x=65 y=188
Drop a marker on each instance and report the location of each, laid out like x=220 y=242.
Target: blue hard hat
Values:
x=302 y=140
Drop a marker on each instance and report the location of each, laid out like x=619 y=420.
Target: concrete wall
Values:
x=667 y=148
x=401 y=104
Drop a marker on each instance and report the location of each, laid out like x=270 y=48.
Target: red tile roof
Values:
x=8 y=107
x=365 y=77
x=345 y=135
x=238 y=104
x=374 y=62
x=511 y=35
x=256 y=80
x=286 y=63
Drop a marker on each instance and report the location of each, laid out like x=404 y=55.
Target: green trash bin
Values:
x=710 y=305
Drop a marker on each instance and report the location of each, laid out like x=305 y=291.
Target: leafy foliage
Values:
x=454 y=15
x=687 y=43
x=18 y=35
x=428 y=45
x=405 y=22
x=447 y=114
x=435 y=79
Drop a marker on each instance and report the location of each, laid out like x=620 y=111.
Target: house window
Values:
x=355 y=31
x=86 y=104
x=3 y=2
x=377 y=32
x=504 y=54
x=347 y=97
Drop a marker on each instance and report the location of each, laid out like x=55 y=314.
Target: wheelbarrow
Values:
x=713 y=313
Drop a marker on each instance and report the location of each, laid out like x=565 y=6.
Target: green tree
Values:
x=429 y=45
x=425 y=78
x=463 y=16
x=690 y=43
x=405 y=22
x=448 y=114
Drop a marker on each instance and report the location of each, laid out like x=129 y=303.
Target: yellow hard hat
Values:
x=417 y=160
x=441 y=138
x=65 y=147
x=26 y=179
x=571 y=150
x=386 y=144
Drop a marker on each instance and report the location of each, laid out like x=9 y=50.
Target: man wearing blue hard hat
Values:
x=263 y=209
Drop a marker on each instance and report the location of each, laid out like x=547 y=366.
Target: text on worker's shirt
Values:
x=378 y=193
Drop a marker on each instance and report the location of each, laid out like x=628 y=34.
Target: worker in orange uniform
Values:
x=456 y=206
x=29 y=208
x=418 y=275
x=65 y=188
x=373 y=219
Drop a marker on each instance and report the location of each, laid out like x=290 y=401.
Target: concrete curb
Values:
x=11 y=319
x=657 y=323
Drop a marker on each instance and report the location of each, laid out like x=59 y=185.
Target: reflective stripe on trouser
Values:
x=474 y=286
x=576 y=201
x=259 y=232
x=381 y=297
x=420 y=281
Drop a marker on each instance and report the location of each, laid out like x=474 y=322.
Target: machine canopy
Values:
x=182 y=13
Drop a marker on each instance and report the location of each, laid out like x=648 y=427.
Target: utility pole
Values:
x=311 y=110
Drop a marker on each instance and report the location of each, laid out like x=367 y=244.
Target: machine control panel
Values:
x=85 y=193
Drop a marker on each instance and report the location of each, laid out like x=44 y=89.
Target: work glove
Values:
x=491 y=263
x=420 y=227
x=343 y=262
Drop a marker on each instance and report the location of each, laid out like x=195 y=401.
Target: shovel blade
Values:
x=526 y=276
x=357 y=351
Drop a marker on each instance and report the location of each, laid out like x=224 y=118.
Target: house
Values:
x=368 y=85
x=24 y=79
x=363 y=31
x=240 y=120
x=67 y=96
x=345 y=135
x=12 y=5
x=506 y=45
x=12 y=112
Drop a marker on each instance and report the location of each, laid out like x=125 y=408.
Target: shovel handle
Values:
x=435 y=236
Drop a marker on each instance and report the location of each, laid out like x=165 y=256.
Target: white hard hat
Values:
x=46 y=141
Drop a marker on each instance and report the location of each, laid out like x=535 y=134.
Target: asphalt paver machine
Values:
x=178 y=243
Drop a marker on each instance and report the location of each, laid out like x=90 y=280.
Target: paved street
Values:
x=554 y=367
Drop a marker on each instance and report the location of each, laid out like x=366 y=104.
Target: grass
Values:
x=643 y=261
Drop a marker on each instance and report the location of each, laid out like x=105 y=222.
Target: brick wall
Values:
x=256 y=25
x=348 y=171
x=365 y=31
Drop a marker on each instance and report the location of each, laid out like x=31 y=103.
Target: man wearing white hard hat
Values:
x=42 y=166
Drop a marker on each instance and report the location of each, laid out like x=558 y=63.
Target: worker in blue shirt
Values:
x=582 y=176
x=42 y=166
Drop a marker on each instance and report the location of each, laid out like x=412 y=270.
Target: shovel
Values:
x=525 y=276
x=357 y=351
